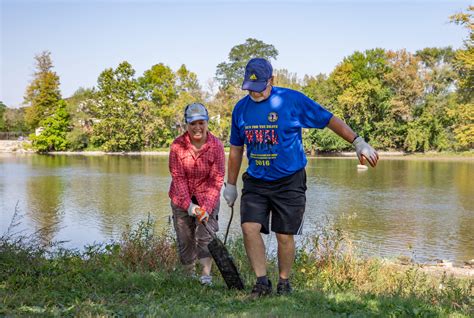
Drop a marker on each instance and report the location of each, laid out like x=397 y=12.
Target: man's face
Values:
x=263 y=95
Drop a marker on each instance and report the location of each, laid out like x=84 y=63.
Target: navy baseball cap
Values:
x=257 y=73
x=195 y=111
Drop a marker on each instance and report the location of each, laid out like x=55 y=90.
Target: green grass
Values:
x=140 y=276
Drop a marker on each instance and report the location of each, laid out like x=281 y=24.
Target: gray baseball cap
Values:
x=195 y=111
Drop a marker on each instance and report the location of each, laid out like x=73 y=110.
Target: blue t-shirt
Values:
x=271 y=130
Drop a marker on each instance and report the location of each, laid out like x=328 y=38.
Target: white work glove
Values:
x=365 y=151
x=191 y=209
x=230 y=194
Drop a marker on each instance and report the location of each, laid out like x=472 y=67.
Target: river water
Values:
x=418 y=208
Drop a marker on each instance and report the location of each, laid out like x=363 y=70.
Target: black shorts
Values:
x=285 y=198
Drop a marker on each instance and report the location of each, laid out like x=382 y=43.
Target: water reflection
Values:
x=45 y=205
x=410 y=207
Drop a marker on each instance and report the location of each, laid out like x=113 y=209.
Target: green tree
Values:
x=15 y=120
x=407 y=91
x=43 y=94
x=321 y=90
x=158 y=84
x=55 y=128
x=437 y=71
x=119 y=127
x=431 y=124
x=231 y=73
x=3 y=109
x=361 y=97
x=158 y=110
x=155 y=132
x=229 y=76
x=81 y=106
x=189 y=91
x=429 y=128
x=188 y=82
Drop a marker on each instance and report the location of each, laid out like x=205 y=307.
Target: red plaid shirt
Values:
x=199 y=174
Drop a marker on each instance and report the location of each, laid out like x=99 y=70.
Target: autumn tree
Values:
x=464 y=58
x=42 y=94
x=285 y=78
x=463 y=126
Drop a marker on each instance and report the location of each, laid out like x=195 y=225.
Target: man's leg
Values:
x=255 y=247
x=286 y=254
x=254 y=218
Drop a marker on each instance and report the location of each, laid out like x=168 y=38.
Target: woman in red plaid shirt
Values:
x=197 y=170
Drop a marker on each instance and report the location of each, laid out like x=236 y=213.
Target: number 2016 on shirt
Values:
x=262 y=162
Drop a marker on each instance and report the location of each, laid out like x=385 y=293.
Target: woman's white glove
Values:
x=365 y=151
x=191 y=209
x=230 y=194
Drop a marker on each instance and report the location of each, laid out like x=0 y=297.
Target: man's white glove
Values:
x=365 y=151
x=191 y=209
x=230 y=194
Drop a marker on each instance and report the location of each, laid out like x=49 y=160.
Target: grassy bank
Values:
x=140 y=276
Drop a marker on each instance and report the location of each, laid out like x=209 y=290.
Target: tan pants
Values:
x=192 y=236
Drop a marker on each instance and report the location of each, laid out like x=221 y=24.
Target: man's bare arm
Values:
x=342 y=129
x=235 y=161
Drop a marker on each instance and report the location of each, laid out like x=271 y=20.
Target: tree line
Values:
x=399 y=100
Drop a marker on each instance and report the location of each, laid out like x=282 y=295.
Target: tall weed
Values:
x=330 y=262
x=143 y=249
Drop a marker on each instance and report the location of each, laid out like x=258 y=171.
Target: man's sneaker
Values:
x=261 y=290
x=206 y=280
x=284 y=288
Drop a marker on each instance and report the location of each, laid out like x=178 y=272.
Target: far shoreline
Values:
x=385 y=155
x=19 y=148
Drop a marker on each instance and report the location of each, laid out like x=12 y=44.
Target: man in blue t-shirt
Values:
x=269 y=121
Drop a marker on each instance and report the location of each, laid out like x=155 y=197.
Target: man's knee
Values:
x=285 y=239
x=251 y=228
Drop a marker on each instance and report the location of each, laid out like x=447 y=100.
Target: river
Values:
x=418 y=208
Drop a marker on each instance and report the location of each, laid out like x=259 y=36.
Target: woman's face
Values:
x=197 y=130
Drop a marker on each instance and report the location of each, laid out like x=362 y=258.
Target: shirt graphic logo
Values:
x=272 y=117
x=253 y=77
x=261 y=139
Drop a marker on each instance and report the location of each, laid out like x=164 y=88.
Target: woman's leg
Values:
x=185 y=227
